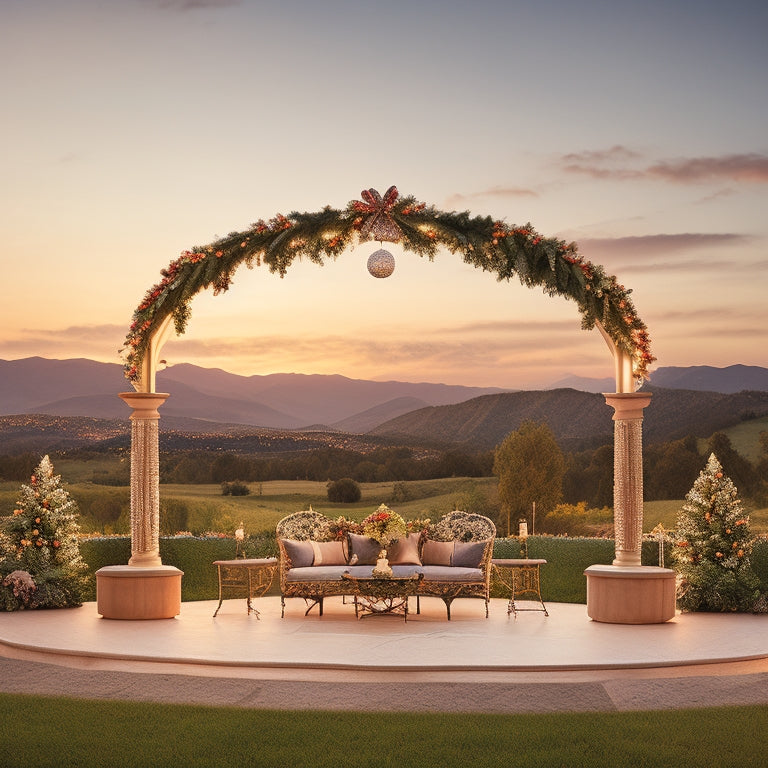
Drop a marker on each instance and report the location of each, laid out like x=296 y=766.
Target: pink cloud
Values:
x=649 y=245
x=750 y=167
x=458 y=199
x=617 y=163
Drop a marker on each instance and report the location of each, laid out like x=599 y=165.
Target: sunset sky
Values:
x=136 y=129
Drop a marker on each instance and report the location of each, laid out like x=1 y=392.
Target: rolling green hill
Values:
x=578 y=419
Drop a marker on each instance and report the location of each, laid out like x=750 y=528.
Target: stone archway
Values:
x=486 y=243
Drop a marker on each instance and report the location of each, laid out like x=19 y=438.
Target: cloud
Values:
x=750 y=167
x=97 y=342
x=600 y=164
x=457 y=200
x=621 y=163
x=658 y=245
x=501 y=345
x=192 y=5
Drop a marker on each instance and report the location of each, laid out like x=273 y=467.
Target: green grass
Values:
x=665 y=512
x=745 y=438
x=209 y=510
x=270 y=501
x=41 y=731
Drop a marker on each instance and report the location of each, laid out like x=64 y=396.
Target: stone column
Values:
x=145 y=477
x=628 y=474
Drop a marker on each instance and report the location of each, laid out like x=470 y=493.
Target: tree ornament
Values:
x=381 y=263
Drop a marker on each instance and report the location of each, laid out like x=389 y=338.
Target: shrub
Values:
x=174 y=516
x=234 y=488
x=344 y=491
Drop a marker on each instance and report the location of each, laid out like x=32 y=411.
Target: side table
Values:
x=520 y=577
x=253 y=576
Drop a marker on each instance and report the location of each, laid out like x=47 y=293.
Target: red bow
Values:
x=378 y=225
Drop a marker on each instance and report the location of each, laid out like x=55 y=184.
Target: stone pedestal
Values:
x=630 y=595
x=132 y=593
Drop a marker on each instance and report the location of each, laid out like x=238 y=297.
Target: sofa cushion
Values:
x=437 y=552
x=316 y=573
x=405 y=551
x=300 y=553
x=468 y=554
x=451 y=573
x=333 y=572
x=366 y=549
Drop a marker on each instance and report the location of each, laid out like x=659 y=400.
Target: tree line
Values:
x=587 y=476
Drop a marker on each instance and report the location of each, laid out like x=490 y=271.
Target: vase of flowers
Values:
x=384 y=526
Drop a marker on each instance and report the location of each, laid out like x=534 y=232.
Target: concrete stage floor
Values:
x=563 y=662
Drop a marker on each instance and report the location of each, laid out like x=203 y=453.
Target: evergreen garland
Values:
x=713 y=546
x=40 y=561
x=483 y=242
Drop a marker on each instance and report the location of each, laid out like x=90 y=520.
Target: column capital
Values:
x=626 y=405
x=144 y=404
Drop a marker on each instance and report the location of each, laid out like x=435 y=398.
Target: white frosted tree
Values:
x=41 y=565
x=713 y=546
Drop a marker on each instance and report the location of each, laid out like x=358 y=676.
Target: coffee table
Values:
x=378 y=596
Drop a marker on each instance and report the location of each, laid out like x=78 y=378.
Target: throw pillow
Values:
x=437 y=552
x=366 y=549
x=405 y=551
x=468 y=554
x=329 y=553
x=300 y=553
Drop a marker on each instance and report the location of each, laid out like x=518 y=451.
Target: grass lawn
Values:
x=41 y=731
x=665 y=512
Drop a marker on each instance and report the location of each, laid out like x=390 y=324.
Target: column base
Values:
x=128 y=592
x=630 y=594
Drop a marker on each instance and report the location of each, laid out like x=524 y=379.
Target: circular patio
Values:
x=562 y=662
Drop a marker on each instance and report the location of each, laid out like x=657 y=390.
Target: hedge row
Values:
x=562 y=578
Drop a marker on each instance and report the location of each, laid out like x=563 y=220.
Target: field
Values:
x=202 y=508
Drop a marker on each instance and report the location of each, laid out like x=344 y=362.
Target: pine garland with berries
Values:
x=713 y=546
x=40 y=561
x=484 y=242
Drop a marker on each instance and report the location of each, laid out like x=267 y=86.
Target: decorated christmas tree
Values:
x=713 y=546
x=41 y=566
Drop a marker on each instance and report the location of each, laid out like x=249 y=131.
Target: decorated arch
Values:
x=151 y=590
x=494 y=246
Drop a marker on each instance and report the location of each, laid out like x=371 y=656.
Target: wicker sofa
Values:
x=454 y=556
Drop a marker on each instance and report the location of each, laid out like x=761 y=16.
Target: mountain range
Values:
x=297 y=401
x=282 y=400
x=76 y=400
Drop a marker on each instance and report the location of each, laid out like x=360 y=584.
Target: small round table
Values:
x=520 y=577
x=254 y=576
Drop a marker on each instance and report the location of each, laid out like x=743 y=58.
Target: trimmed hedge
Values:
x=193 y=555
x=562 y=578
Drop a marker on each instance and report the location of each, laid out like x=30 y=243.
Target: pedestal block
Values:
x=129 y=592
x=630 y=594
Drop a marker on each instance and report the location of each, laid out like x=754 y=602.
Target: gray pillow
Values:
x=300 y=553
x=366 y=549
x=468 y=554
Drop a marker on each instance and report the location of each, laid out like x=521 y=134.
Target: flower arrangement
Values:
x=384 y=526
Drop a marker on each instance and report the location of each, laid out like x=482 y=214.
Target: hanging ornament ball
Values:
x=381 y=263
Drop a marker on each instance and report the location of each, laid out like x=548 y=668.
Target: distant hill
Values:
x=579 y=420
x=702 y=378
x=734 y=378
